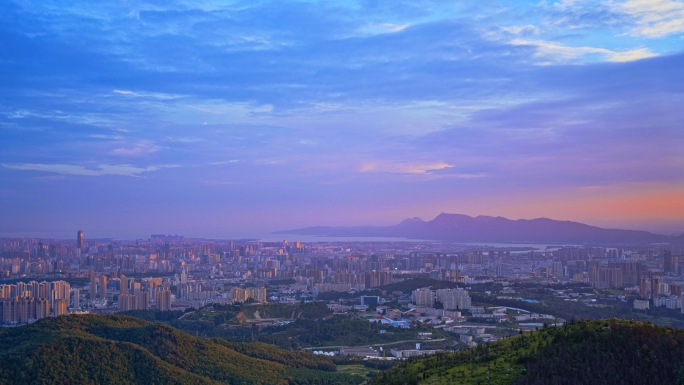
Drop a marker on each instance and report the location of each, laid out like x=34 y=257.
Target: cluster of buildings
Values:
x=172 y=272
x=451 y=299
x=28 y=302
x=372 y=353
x=138 y=295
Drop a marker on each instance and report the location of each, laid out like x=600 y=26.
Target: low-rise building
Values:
x=359 y=351
x=413 y=353
x=641 y=304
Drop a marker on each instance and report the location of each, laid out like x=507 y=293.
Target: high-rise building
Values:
x=143 y=300
x=42 y=308
x=60 y=307
x=424 y=297
x=103 y=287
x=127 y=302
x=93 y=287
x=123 y=283
x=655 y=286
x=645 y=288
x=60 y=290
x=76 y=298
x=238 y=294
x=163 y=301
x=79 y=240
x=454 y=299
x=610 y=277
x=670 y=262
x=257 y=293
x=43 y=289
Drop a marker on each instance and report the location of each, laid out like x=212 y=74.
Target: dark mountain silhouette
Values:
x=463 y=228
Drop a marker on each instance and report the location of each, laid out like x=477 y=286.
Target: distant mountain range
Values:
x=467 y=229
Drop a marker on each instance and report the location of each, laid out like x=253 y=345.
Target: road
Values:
x=375 y=345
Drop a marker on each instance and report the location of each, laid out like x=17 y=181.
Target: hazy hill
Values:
x=90 y=349
x=593 y=352
x=463 y=228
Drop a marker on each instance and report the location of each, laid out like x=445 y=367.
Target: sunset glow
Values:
x=179 y=117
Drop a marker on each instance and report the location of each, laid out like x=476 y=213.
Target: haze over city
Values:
x=236 y=119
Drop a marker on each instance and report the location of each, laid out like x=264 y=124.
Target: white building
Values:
x=424 y=297
x=75 y=298
x=454 y=299
x=641 y=305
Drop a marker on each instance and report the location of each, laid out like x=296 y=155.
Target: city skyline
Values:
x=235 y=120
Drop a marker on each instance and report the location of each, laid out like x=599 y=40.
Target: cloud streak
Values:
x=98 y=170
x=139 y=149
x=404 y=168
x=654 y=18
x=552 y=52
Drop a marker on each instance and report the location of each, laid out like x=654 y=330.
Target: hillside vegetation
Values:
x=313 y=325
x=588 y=352
x=88 y=349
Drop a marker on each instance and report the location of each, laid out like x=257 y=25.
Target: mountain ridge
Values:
x=483 y=228
x=87 y=349
x=598 y=352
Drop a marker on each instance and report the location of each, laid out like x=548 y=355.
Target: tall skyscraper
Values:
x=163 y=301
x=143 y=300
x=79 y=239
x=60 y=307
x=75 y=299
x=124 y=285
x=103 y=287
x=127 y=302
x=669 y=262
x=93 y=287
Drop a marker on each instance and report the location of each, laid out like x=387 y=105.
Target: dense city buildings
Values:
x=54 y=277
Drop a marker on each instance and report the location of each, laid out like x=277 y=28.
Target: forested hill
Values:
x=91 y=349
x=591 y=352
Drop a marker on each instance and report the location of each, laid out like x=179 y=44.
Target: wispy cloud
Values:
x=403 y=168
x=109 y=137
x=654 y=18
x=72 y=169
x=522 y=29
x=553 y=52
x=144 y=147
x=153 y=95
x=382 y=28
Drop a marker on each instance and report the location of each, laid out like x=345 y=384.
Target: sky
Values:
x=231 y=119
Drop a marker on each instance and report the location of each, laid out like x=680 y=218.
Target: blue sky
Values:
x=229 y=119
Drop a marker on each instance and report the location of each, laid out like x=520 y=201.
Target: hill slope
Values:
x=86 y=349
x=463 y=228
x=592 y=352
